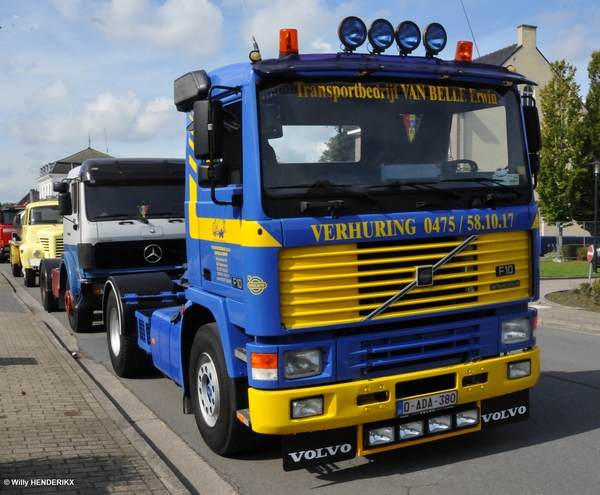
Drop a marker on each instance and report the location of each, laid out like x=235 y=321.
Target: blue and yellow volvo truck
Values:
x=362 y=248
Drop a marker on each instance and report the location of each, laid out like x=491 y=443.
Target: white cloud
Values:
x=190 y=26
x=58 y=90
x=157 y=117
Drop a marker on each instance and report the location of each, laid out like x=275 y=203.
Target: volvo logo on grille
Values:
x=152 y=253
x=424 y=276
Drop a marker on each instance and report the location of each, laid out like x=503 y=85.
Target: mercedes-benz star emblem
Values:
x=152 y=253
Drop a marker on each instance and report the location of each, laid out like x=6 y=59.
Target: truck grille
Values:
x=343 y=283
x=53 y=246
x=130 y=255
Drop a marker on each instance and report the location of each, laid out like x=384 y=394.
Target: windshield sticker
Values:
x=505 y=178
x=393 y=92
x=411 y=123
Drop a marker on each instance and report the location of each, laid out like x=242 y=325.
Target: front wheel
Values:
x=216 y=397
x=126 y=356
x=30 y=277
x=16 y=270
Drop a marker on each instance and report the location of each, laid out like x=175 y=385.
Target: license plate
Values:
x=426 y=403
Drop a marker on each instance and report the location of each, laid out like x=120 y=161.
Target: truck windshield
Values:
x=44 y=215
x=7 y=217
x=401 y=146
x=117 y=201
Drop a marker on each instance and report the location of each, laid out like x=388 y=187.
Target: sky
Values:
x=99 y=73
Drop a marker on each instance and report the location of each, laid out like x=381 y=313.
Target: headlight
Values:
x=411 y=430
x=37 y=253
x=516 y=331
x=439 y=424
x=352 y=32
x=470 y=417
x=302 y=363
x=305 y=408
x=379 y=436
x=519 y=369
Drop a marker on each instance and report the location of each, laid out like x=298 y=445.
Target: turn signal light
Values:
x=264 y=366
x=464 y=51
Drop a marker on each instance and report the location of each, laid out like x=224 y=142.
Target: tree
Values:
x=562 y=166
x=584 y=192
x=340 y=147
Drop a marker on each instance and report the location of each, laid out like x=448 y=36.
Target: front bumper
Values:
x=368 y=401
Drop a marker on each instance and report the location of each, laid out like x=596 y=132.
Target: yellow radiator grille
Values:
x=53 y=246
x=343 y=283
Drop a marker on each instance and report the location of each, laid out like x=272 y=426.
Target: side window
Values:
x=75 y=196
x=528 y=96
x=232 y=141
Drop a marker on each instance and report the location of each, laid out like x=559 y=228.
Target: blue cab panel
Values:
x=159 y=334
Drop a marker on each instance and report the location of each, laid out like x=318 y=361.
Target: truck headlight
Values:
x=519 y=369
x=302 y=363
x=516 y=331
x=379 y=436
x=439 y=424
x=37 y=253
x=413 y=429
x=305 y=408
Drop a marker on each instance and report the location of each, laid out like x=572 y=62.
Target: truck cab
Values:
x=7 y=229
x=39 y=236
x=120 y=217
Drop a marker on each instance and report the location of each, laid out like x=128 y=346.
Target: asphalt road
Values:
x=555 y=452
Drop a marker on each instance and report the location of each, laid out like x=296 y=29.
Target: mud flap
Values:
x=303 y=450
x=504 y=410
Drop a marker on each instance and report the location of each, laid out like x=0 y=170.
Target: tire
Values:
x=30 y=277
x=217 y=397
x=80 y=319
x=17 y=271
x=127 y=359
x=49 y=301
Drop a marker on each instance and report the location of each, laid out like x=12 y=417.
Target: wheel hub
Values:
x=208 y=391
x=69 y=303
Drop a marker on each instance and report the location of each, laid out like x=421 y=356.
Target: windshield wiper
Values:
x=166 y=214
x=121 y=215
x=325 y=184
x=484 y=181
x=420 y=186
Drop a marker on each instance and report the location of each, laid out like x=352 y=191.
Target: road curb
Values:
x=165 y=452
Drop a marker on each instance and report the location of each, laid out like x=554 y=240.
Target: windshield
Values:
x=402 y=146
x=7 y=217
x=118 y=201
x=44 y=215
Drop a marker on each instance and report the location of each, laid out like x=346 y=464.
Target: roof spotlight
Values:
x=408 y=37
x=352 y=33
x=381 y=35
x=434 y=38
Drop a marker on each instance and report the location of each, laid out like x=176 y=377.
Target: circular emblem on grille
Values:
x=152 y=253
x=256 y=285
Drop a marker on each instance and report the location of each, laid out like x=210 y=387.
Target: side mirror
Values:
x=65 y=205
x=17 y=221
x=60 y=187
x=208 y=129
x=532 y=128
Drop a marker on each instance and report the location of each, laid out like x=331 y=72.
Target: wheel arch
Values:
x=206 y=308
x=140 y=284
